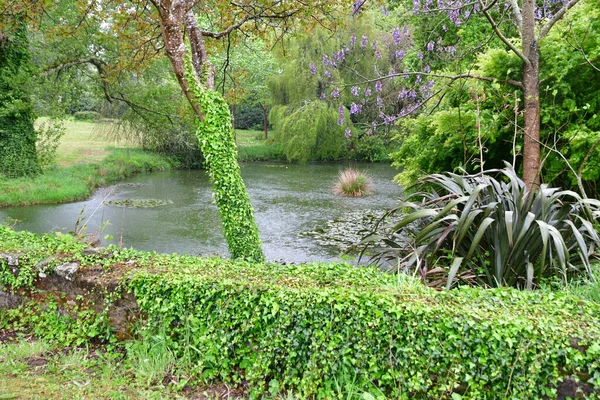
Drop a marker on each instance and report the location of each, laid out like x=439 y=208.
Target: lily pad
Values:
x=138 y=203
x=346 y=231
x=132 y=184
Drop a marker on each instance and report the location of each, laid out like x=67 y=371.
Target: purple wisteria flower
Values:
x=339 y=56
x=357 y=6
x=323 y=96
x=420 y=56
x=400 y=54
x=416 y=6
x=364 y=42
x=348 y=133
x=367 y=92
x=335 y=93
x=341 y=116
x=389 y=119
x=379 y=101
x=355 y=108
x=430 y=46
x=313 y=68
x=327 y=74
x=353 y=40
x=326 y=61
x=378 y=86
x=354 y=90
x=427 y=69
x=397 y=36
x=385 y=11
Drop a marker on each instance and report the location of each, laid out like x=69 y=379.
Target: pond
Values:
x=181 y=217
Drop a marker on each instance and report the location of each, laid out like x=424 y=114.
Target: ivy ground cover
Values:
x=311 y=328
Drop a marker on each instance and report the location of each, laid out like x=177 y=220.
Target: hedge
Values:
x=310 y=328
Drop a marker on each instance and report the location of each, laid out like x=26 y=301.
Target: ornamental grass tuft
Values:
x=353 y=183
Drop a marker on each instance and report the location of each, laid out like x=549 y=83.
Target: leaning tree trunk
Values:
x=215 y=132
x=531 y=94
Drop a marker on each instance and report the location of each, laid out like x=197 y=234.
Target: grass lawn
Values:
x=85 y=142
x=34 y=369
x=253 y=147
x=249 y=137
x=85 y=161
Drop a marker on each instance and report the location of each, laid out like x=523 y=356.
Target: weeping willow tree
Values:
x=310 y=115
x=17 y=135
x=310 y=131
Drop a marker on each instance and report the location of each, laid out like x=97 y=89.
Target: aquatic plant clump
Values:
x=353 y=183
x=138 y=203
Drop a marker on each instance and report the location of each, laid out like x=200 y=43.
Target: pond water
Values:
x=288 y=200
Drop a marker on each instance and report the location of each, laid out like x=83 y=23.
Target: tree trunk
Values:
x=531 y=98
x=233 y=122
x=215 y=132
x=265 y=121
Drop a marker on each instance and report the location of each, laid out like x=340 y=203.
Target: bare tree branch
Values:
x=501 y=35
x=556 y=18
x=450 y=77
x=261 y=14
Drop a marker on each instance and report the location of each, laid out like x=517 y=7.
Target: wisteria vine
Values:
x=394 y=93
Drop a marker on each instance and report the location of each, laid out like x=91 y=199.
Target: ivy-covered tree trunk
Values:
x=217 y=143
x=17 y=135
x=215 y=132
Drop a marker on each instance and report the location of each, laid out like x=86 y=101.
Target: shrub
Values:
x=490 y=231
x=353 y=183
x=307 y=328
x=87 y=116
x=49 y=134
x=17 y=134
x=371 y=148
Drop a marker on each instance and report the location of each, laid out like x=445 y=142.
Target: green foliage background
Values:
x=17 y=135
x=445 y=137
x=306 y=127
